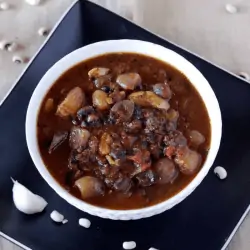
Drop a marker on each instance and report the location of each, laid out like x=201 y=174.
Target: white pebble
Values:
x=65 y=221
x=33 y=2
x=152 y=248
x=230 y=8
x=220 y=172
x=129 y=245
x=18 y=59
x=43 y=31
x=56 y=216
x=84 y=222
x=4 y=6
x=244 y=75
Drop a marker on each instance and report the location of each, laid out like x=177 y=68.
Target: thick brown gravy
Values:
x=185 y=99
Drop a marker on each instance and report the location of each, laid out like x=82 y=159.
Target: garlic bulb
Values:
x=26 y=201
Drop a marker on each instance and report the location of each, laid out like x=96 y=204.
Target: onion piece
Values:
x=163 y=90
x=196 y=138
x=104 y=145
x=188 y=161
x=98 y=72
x=90 y=187
x=166 y=171
x=58 y=139
x=79 y=138
x=99 y=99
x=122 y=111
x=129 y=81
x=74 y=100
x=149 y=99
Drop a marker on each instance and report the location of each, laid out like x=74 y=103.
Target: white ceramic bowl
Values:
x=141 y=47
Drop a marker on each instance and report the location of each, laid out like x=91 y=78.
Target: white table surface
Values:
x=203 y=27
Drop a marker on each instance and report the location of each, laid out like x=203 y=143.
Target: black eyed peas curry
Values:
x=123 y=131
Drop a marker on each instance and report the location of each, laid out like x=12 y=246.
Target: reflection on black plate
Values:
x=203 y=221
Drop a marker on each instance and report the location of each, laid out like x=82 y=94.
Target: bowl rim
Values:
x=113 y=46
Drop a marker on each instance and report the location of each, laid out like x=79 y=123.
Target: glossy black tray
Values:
x=203 y=221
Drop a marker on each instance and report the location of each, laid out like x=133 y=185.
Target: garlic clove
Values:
x=26 y=201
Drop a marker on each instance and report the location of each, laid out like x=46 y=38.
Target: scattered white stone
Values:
x=152 y=248
x=4 y=6
x=33 y=2
x=43 y=31
x=244 y=75
x=56 y=216
x=230 y=8
x=84 y=222
x=65 y=221
x=26 y=201
x=18 y=59
x=129 y=245
x=220 y=172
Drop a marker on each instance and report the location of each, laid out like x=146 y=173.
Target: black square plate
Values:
x=203 y=221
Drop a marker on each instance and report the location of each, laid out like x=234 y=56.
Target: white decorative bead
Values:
x=129 y=245
x=84 y=222
x=4 y=6
x=220 y=172
x=230 y=8
x=33 y=2
x=152 y=248
x=18 y=59
x=244 y=75
x=43 y=31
